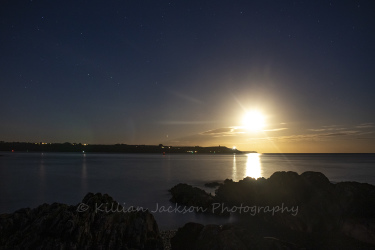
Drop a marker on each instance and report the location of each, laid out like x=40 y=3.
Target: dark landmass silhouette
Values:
x=116 y=148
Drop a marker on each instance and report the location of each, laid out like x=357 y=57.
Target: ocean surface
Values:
x=142 y=180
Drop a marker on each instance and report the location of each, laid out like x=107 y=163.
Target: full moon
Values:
x=253 y=120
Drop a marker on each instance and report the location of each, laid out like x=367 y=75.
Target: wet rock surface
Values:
x=97 y=223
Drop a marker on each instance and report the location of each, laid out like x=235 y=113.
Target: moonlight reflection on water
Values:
x=253 y=166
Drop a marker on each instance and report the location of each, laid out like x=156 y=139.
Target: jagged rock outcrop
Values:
x=97 y=223
x=307 y=203
x=192 y=197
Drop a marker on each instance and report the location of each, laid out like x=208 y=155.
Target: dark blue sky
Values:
x=186 y=72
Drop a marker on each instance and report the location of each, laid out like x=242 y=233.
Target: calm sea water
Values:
x=139 y=180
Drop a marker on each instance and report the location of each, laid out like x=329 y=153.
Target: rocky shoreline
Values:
x=88 y=225
x=292 y=209
x=285 y=211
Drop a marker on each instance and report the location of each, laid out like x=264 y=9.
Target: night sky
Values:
x=186 y=72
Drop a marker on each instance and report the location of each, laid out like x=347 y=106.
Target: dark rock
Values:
x=192 y=196
x=167 y=235
x=187 y=236
x=322 y=206
x=356 y=199
x=307 y=203
x=274 y=243
x=361 y=229
x=89 y=225
x=199 y=237
x=316 y=179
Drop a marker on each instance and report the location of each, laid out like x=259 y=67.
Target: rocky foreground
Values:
x=285 y=211
x=93 y=224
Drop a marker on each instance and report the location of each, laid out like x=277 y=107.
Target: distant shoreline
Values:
x=115 y=148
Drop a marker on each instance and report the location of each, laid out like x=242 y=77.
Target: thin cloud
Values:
x=232 y=131
x=224 y=135
x=228 y=131
x=275 y=129
x=366 y=125
x=317 y=129
x=345 y=133
x=309 y=137
x=327 y=128
x=185 y=122
x=339 y=128
x=218 y=131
